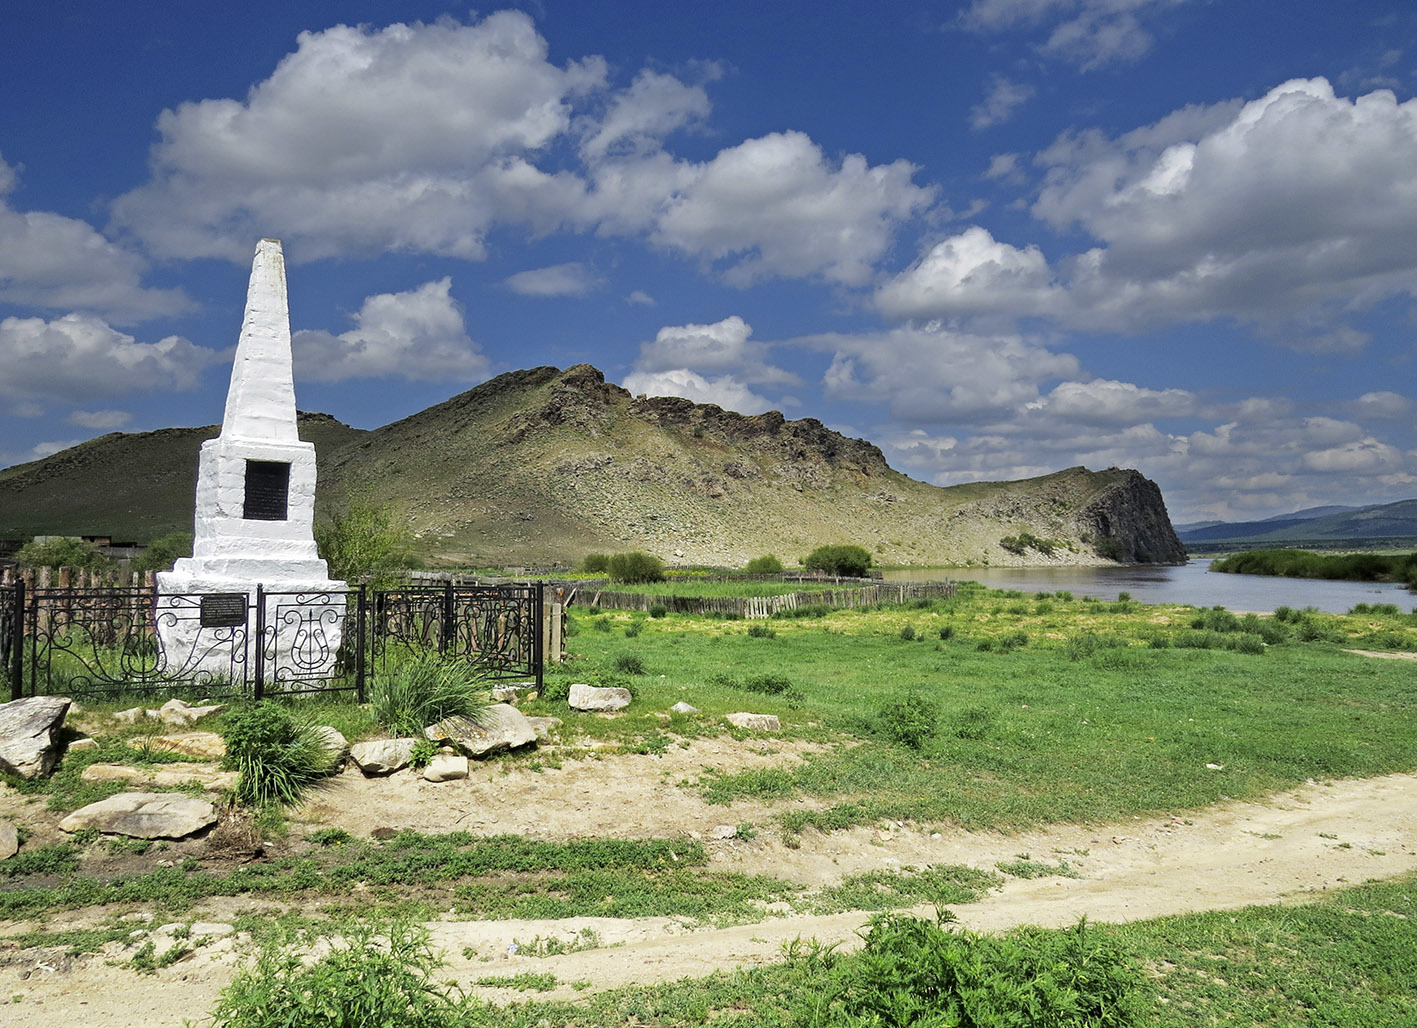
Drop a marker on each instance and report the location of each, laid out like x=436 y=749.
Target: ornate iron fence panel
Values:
x=496 y=627
x=122 y=640
x=310 y=641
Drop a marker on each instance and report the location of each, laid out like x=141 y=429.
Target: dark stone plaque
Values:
x=223 y=610
x=267 y=490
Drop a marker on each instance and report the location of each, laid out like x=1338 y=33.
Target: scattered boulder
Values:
x=543 y=726
x=82 y=743
x=207 y=745
x=683 y=708
x=497 y=728
x=144 y=815
x=335 y=742
x=382 y=756
x=29 y=734
x=598 y=699
x=446 y=767
x=131 y=715
x=724 y=832
x=180 y=712
x=9 y=840
x=165 y=776
x=755 y=722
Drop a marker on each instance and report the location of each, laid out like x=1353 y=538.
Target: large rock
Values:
x=29 y=734
x=144 y=815
x=207 y=745
x=593 y=698
x=335 y=742
x=382 y=756
x=166 y=776
x=180 y=712
x=9 y=840
x=755 y=722
x=496 y=728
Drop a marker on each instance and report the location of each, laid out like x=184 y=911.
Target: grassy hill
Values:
x=1379 y=526
x=547 y=465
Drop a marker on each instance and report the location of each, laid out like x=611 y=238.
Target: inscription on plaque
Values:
x=223 y=610
x=267 y=490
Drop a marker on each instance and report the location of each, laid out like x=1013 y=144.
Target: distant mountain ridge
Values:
x=1385 y=524
x=547 y=465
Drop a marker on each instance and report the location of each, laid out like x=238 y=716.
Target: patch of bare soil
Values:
x=1285 y=849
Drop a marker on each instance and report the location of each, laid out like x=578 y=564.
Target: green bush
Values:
x=633 y=629
x=911 y=720
x=764 y=565
x=907 y=633
x=362 y=544
x=761 y=632
x=914 y=972
x=1085 y=645
x=658 y=610
x=424 y=691
x=371 y=976
x=635 y=567
x=768 y=685
x=842 y=559
x=630 y=664
x=62 y=552
x=163 y=552
x=276 y=756
x=596 y=563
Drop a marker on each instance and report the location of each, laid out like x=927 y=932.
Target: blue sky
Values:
x=997 y=238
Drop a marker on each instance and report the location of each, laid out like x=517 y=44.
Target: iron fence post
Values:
x=361 y=637
x=17 y=642
x=449 y=627
x=538 y=645
x=260 y=641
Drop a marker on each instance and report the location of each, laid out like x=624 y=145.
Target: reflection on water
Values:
x=1189 y=583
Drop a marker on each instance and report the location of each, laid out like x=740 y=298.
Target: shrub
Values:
x=761 y=632
x=630 y=664
x=601 y=624
x=910 y=720
x=163 y=552
x=62 y=552
x=916 y=972
x=362 y=544
x=424 y=691
x=947 y=632
x=276 y=757
x=764 y=565
x=769 y=685
x=846 y=560
x=633 y=629
x=371 y=976
x=1085 y=645
x=636 y=566
x=658 y=610
x=596 y=563
x=907 y=633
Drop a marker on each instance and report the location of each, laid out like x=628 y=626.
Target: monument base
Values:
x=208 y=627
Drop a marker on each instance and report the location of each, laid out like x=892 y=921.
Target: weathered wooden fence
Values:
x=755 y=607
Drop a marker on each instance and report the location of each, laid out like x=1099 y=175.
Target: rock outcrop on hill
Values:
x=546 y=465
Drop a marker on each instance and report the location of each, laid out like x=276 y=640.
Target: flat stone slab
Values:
x=497 y=728
x=180 y=712
x=382 y=756
x=755 y=722
x=597 y=698
x=187 y=744
x=9 y=840
x=29 y=734
x=209 y=776
x=144 y=815
x=446 y=767
x=684 y=708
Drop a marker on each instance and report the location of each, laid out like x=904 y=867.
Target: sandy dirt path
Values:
x=1283 y=850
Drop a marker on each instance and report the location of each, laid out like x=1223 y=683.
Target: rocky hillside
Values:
x=548 y=465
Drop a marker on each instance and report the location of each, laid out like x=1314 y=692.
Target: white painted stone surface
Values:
x=234 y=554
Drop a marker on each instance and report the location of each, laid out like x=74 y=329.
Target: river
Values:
x=1191 y=583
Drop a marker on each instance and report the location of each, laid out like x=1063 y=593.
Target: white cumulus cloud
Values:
x=80 y=357
x=415 y=335
x=724 y=390
x=569 y=279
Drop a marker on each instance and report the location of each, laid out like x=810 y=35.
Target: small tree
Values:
x=636 y=566
x=764 y=565
x=842 y=559
x=362 y=544
x=62 y=552
x=596 y=563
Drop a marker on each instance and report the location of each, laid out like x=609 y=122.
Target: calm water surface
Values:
x=1191 y=583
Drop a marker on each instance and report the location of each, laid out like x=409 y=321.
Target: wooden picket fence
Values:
x=758 y=607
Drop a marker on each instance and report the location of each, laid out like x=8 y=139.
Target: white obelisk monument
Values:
x=256 y=506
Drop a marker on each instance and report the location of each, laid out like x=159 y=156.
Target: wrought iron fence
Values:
x=137 y=640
